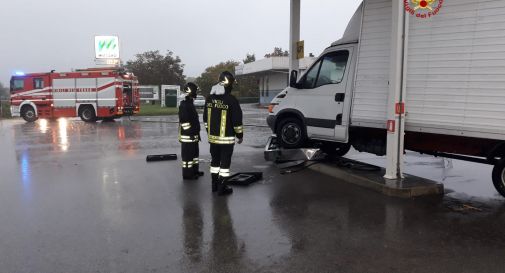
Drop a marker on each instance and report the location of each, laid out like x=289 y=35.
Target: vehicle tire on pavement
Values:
x=87 y=114
x=499 y=176
x=291 y=133
x=28 y=113
x=336 y=149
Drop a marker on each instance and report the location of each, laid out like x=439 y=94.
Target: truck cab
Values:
x=316 y=106
x=29 y=95
x=315 y=109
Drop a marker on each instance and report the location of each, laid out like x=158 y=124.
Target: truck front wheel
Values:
x=499 y=176
x=28 y=113
x=87 y=114
x=291 y=133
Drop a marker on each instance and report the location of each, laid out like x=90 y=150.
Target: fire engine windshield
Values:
x=17 y=84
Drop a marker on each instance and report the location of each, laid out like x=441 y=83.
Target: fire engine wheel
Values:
x=87 y=114
x=291 y=133
x=28 y=113
x=499 y=176
x=336 y=149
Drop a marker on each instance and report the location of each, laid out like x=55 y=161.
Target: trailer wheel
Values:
x=499 y=176
x=87 y=114
x=336 y=149
x=28 y=113
x=291 y=133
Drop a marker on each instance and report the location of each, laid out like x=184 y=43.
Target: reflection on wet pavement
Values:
x=79 y=197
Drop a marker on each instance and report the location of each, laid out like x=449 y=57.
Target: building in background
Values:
x=272 y=74
x=170 y=95
x=149 y=93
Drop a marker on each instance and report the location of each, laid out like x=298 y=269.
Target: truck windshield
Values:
x=333 y=68
x=17 y=84
x=330 y=69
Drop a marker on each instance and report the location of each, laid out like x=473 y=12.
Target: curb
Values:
x=408 y=187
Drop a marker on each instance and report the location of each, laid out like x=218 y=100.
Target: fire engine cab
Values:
x=91 y=94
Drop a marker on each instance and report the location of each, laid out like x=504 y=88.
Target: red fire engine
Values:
x=92 y=94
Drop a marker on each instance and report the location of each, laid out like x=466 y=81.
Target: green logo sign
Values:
x=106 y=47
x=110 y=44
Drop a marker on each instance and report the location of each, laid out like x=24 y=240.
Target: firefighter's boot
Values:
x=215 y=181
x=187 y=172
x=222 y=188
x=196 y=168
x=197 y=172
x=190 y=177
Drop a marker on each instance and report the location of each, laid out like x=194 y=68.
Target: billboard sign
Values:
x=149 y=92
x=106 y=47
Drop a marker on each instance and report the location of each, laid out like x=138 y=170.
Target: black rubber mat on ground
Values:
x=244 y=179
x=152 y=158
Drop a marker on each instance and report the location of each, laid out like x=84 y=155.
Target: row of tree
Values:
x=154 y=68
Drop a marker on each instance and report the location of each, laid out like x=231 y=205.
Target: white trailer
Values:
x=453 y=84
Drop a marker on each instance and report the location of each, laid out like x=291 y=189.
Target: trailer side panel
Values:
x=372 y=78
x=456 y=70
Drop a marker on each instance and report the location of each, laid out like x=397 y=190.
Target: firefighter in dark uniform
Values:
x=223 y=120
x=189 y=134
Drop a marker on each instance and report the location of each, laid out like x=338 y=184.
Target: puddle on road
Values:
x=267 y=180
x=261 y=167
x=467 y=206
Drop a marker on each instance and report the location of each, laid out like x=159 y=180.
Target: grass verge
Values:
x=156 y=110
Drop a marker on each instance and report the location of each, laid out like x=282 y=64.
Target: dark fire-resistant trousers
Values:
x=221 y=159
x=190 y=163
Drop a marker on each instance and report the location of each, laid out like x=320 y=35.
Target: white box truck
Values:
x=454 y=78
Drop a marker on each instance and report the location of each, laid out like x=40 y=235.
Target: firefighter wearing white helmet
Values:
x=223 y=121
x=189 y=134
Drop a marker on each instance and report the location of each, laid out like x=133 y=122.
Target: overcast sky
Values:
x=37 y=36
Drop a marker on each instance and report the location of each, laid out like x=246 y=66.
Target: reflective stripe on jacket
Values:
x=223 y=119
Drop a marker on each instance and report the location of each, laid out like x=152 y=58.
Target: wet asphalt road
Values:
x=78 y=197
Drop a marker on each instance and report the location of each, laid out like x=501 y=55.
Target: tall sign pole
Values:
x=294 y=34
